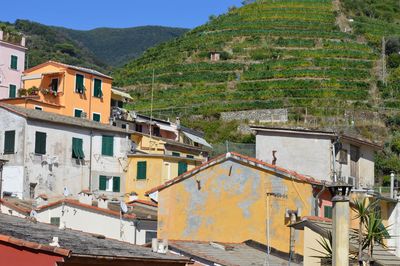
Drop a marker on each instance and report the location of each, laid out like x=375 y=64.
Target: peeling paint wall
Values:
x=57 y=169
x=227 y=202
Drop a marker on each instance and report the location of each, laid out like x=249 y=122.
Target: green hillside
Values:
x=46 y=43
x=101 y=49
x=274 y=54
x=119 y=46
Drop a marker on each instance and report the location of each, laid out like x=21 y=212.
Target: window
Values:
x=328 y=212
x=54 y=85
x=107 y=147
x=78 y=113
x=177 y=154
x=9 y=142
x=79 y=86
x=55 y=221
x=139 y=128
x=96 y=117
x=109 y=183
x=190 y=156
x=123 y=126
x=141 y=170
x=39 y=108
x=150 y=235
x=13 y=91
x=77 y=148
x=14 y=62
x=156 y=131
x=97 y=92
x=343 y=157
x=40 y=143
x=182 y=168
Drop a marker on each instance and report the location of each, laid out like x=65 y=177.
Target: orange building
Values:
x=67 y=90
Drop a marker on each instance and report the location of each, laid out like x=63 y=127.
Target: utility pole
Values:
x=384 y=61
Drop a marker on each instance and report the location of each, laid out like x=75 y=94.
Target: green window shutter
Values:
x=177 y=154
x=54 y=85
x=107 y=146
x=78 y=113
x=97 y=88
x=77 y=149
x=103 y=183
x=141 y=170
x=96 y=117
x=328 y=212
x=13 y=91
x=79 y=86
x=40 y=143
x=116 y=184
x=14 y=62
x=55 y=221
x=182 y=168
x=9 y=142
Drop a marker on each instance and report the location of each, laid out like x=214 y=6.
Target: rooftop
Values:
x=39 y=235
x=329 y=134
x=78 y=68
x=60 y=119
x=228 y=254
x=249 y=161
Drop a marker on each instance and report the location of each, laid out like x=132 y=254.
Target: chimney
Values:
x=103 y=202
x=178 y=122
x=23 y=41
x=55 y=242
x=41 y=200
x=154 y=245
x=1 y=35
x=86 y=197
x=133 y=196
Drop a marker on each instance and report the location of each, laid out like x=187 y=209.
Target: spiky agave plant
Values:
x=326 y=253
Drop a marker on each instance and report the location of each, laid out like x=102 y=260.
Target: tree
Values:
x=371 y=229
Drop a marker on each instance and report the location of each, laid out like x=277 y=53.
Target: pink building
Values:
x=12 y=64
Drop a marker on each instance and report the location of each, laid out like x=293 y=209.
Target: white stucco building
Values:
x=92 y=215
x=47 y=153
x=12 y=64
x=312 y=152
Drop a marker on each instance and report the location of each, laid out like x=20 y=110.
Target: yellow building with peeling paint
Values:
x=234 y=198
x=157 y=161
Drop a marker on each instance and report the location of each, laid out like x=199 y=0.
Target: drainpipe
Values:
x=90 y=159
x=334 y=161
x=2 y=162
x=392 y=185
x=316 y=210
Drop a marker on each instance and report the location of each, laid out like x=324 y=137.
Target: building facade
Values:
x=319 y=154
x=234 y=198
x=53 y=154
x=67 y=90
x=12 y=64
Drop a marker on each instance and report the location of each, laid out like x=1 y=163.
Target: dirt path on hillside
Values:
x=341 y=19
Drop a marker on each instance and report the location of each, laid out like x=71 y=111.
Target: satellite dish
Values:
x=66 y=192
x=33 y=214
x=124 y=208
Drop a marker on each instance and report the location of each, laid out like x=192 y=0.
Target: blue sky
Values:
x=89 y=14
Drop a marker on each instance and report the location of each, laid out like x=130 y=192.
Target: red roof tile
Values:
x=35 y=246
x=246 y=159
x=15 y=207
x=145 y=202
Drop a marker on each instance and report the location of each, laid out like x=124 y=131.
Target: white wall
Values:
x=79 y=218
x=57 y=169
x=308 y=155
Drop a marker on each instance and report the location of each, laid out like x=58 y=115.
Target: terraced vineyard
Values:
x=274 y=54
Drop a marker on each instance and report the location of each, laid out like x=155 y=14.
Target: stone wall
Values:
x=261 y=116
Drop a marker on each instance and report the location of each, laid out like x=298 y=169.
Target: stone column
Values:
x=341 y=222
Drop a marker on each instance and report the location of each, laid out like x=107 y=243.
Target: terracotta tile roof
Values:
x=15 y=207
x=144 y=202
x=86 y=206
x=36 y=246
x=242 y=158
x=317 y=219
